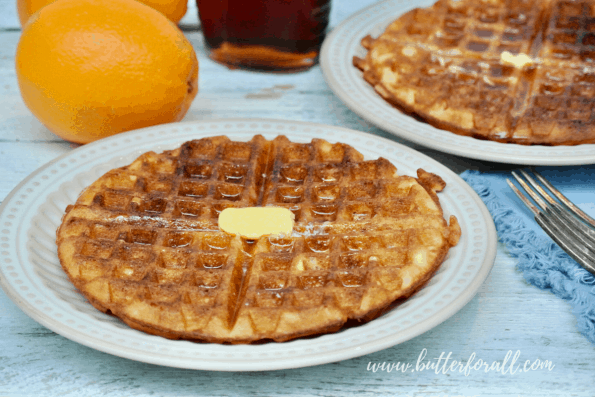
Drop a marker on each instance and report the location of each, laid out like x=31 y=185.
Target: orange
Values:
x=88 y=69
x=174 y=10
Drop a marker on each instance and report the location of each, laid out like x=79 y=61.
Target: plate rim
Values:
x=459 y=145
x=285 y=363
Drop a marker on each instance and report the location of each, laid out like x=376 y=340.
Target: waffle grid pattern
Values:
x=131 y=250
x=444 y=64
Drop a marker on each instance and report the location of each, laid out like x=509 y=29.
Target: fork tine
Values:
x=564 y=200
x=537 y=187
x=520 y=195
x=553 y=208
x=531 y=193
x=579 y=248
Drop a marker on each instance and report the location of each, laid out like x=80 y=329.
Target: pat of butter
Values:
x=518 y=60
x=253 y=222
x=408 y=51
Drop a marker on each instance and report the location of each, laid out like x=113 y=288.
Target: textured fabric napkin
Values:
x=541 y=261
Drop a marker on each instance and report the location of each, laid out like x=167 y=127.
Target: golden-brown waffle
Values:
x=444 y=64
x=143 y=243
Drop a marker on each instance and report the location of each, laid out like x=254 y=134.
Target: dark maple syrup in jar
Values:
x=282 y=35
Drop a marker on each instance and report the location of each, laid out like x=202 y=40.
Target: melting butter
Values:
x=518 y=60
x=254 y=222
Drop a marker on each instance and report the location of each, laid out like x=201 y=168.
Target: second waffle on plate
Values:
x=143 y=242
x=505 y=70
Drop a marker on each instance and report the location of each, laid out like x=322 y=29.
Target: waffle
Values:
x=445 y=64
x=142 y=242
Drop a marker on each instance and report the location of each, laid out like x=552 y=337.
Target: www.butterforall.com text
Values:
x=510 y=365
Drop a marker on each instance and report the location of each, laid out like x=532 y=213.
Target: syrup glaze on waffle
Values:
x=444 y=64
x=142 y=242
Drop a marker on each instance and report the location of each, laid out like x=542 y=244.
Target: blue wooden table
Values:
x=507 y=316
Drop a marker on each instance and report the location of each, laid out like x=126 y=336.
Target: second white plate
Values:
x=31 y=275
x=347 y=83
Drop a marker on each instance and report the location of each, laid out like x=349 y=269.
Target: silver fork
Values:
x=565 y=223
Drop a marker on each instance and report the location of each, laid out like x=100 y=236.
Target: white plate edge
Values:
x=387 y=341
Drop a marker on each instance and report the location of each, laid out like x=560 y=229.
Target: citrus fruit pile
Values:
x=88 y=69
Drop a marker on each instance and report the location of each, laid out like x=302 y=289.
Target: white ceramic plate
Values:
x=347 y=83
x=31 y=275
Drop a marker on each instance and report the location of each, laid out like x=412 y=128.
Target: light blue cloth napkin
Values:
x=542 y=262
